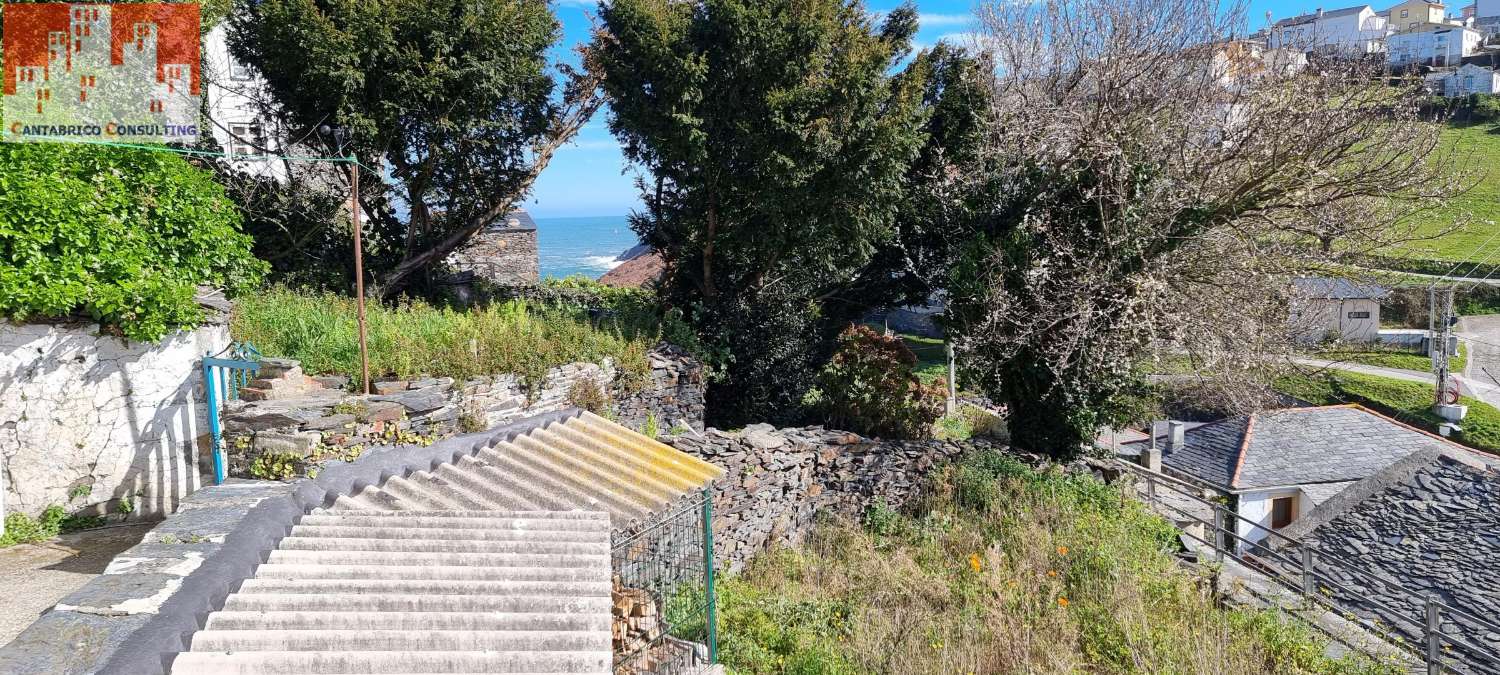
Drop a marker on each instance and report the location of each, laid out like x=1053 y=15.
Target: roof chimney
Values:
x=1176 y=435
x=1320 y=12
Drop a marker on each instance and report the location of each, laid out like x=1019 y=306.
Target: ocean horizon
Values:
x=588 y=246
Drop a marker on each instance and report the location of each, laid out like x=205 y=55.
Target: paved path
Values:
x=1482 y=335
x=36 y=576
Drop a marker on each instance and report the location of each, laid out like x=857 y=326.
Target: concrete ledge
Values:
x=143 y=610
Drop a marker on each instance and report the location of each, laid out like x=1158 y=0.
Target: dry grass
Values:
x=1003 y=571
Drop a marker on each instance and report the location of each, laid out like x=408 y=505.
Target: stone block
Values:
x=337 y=421
x=388 y=386
x=301 y=443
x=332 y=381
x=384 y=411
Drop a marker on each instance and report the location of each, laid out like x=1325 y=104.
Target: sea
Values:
x=588 y=246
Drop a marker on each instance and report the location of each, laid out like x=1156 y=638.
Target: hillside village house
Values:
x=1432 y=44
x=1467 y=79
x=1323 y=309
x=1352 y=31
x=1275 y=466
x=1414 y=13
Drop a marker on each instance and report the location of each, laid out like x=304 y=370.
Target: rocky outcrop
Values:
x=635 y=272
x=777 y=480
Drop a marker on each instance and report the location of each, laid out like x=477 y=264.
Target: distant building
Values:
x=1277 y=465
x=505 y=253
x=237 y=104
x=1335 y=308
x=1414 y=13
x=1432 y=45
x=1467 y=79
x=1352 y=31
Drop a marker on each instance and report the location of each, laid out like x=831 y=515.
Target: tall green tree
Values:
x=453 y=101
x=778 y=145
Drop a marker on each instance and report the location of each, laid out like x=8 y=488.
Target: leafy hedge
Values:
x=120 y=235
x=870 y=386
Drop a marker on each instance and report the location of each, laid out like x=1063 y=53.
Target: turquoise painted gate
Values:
x=224 y=374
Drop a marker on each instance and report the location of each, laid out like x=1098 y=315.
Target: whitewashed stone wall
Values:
x=90 y=420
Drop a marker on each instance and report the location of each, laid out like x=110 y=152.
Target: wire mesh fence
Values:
x=663 y=618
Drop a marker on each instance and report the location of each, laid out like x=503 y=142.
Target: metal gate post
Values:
x=1433 y=638
x=212 y=398
x=710 y=614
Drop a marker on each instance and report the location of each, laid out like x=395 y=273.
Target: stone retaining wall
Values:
x=94 y=422
x=333 y=424
x=778 y=480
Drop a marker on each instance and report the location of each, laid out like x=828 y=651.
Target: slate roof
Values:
x=1431 y=523
x=1313 y=16
x=522 y=218
x=1295 y=446
x=1336 y=289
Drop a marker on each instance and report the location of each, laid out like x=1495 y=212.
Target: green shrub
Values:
x=588 y=394
x=277 y=465
x=870 y=386
x=122 y=236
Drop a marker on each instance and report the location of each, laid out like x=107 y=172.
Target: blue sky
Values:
x=586 y=179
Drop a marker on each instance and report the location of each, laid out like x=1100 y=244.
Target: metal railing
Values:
x=224 y=375
x=671 y=558
x=1327 y=580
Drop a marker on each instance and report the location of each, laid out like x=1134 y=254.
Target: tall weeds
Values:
x=415 y=338
x=1002 y=570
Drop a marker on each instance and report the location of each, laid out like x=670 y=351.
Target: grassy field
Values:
x=1479 y=151
x=419 y=339
x=1003 y=570
x=1389 y=358
x=1410 y=402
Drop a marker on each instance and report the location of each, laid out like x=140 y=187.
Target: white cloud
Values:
x=942 y=20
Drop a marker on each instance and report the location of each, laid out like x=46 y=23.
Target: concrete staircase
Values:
x=585 y=462
x=420 y=591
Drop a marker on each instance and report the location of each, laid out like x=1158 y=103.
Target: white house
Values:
x=1322 y=308
x=1277 y=465
x=1467 y=79
x=1433 y=45
x=1351 y=31
x=237 y=104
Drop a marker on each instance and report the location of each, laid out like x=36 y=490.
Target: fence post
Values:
x=211 y=399
x=1218 y=537
x=1151 y=490
x=710 y=614
x=1309 y=581
x=1434 y=639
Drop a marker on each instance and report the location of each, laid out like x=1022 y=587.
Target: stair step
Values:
x=382 y=602
x=434 y=545
x=454 y=522
x=381 y=663
x=429 y=572
x=360 y=620
x=408 y=640
x=455 y=534
x=523 y=515
x=403 y=558
x=576 y=589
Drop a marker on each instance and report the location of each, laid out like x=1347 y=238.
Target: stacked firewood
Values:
x=636 y=619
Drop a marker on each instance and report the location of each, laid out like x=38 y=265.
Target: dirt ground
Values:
x=34 y=577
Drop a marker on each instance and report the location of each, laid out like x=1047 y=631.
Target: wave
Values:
x=600 y=262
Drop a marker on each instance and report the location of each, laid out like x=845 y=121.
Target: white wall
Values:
x=1256 y=507
x=234 y=98
x=1442 y=47
x=91 y=413
x=1349 y=34
x=1314 y=319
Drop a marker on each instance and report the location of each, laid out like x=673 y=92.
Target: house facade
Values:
x=1467 y=79
x=1276 y=466
x=1323 y=309
x=1351 y=31
x=1432 y=45
x=236 y=101
x=1414 y=13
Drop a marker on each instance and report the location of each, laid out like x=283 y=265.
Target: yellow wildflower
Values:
x=1062 y=550
x=974 y=561
x=1062 y=602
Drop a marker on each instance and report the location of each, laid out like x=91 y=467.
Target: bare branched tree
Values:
x=1158 y=185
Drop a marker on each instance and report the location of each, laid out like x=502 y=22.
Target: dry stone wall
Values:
x=94 y=421
x=778 y=480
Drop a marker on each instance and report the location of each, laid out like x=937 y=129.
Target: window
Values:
x=238 y=72
x=1359 y=315
x=1283 y=511
x=249 y=140
x=1403 y=14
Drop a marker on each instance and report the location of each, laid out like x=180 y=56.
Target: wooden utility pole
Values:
x=359 y=275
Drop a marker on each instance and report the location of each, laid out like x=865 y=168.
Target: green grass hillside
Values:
x=1479 y=151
